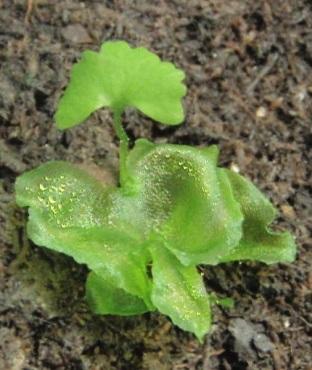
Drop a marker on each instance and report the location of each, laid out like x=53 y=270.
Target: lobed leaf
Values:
x=119 y=76
x=258 y=243
x=189 y=200
x=180 y=210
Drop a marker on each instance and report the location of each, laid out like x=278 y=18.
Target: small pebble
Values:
x=286 y=324
x=263 y=343
x=288 y=211
x=77 y=34
x=234 y=167
x=261 y=112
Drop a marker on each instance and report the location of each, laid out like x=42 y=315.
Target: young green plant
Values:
x=173 y=210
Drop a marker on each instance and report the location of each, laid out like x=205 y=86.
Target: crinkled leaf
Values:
x=179 y=292
x=70 y=212
x=105 y=298
x=119 y=76
x=68 y=195
x=190 y=202
x=179 y=202
x=258 y=241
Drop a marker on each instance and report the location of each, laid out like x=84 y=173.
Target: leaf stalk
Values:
x=123 y=146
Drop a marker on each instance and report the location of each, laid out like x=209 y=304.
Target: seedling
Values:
x=173 y=210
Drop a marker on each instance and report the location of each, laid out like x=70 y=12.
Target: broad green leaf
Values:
x=105 y=298
x=119 y=76
x=179 y=292
x=189 y=199
x=258 y=241
x=71 y=212
x=68 y=195
x=179 y=210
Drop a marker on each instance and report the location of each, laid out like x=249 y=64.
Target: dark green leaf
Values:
x=105 y=298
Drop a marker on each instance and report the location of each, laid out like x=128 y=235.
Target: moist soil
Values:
x=249 y=76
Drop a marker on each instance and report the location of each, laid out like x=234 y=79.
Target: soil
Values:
x=249 y=77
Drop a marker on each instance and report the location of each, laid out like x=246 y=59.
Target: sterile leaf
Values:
x=179 y=210
x=105 y=298
x=71 y=212
x=190 y=202
x=68 y=195
x=119 y=76
x=179 y=292
x=258 y=241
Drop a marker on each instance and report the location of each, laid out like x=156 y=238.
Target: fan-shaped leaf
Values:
x=120 y=76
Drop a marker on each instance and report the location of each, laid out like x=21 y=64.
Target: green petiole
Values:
x=123 y=145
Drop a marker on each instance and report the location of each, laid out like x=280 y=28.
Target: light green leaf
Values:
x=72 y=213
x=190 y=202
x=258 y=241
x=105 y=298
x=68 y=195
x=179 y=292
x=120 y=76
x=179 y=210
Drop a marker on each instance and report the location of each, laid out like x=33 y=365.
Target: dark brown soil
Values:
x=249 y=68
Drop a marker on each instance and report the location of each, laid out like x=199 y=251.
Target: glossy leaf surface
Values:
x=258 y=242
x=179 y=292
x=72 y=213
x=119 y=76
x=179 y=210
x=189 y=200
